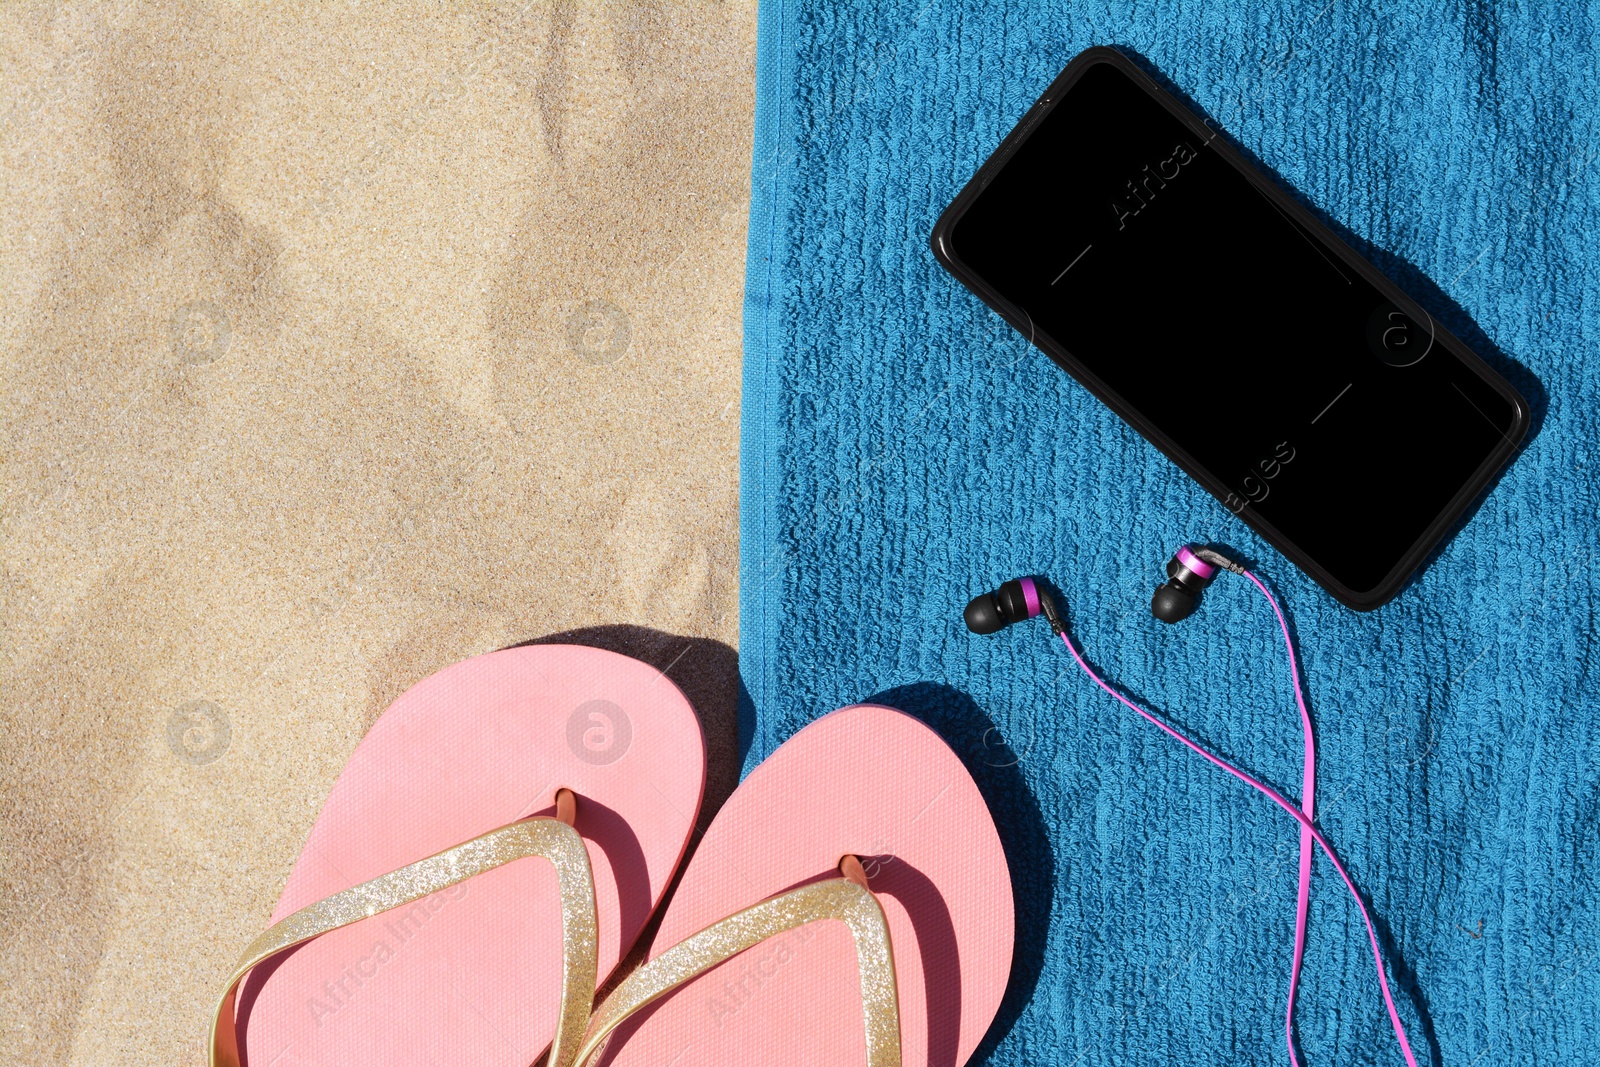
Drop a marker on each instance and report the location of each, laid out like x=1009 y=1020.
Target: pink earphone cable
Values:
x=1308 y=807
x=1308 y=830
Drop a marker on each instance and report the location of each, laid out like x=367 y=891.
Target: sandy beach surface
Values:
x=339 y=344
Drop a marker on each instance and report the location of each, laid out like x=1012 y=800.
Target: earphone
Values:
x=1190 y=571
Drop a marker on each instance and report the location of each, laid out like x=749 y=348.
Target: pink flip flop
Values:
x=864 y=816
x=408 y=933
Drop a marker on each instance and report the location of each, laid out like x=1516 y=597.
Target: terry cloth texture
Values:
x=904 y=450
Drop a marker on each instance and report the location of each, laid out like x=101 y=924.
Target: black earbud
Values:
x=992 y=612
x=1173 y=603
x=1188 y=573
x=1015 y=601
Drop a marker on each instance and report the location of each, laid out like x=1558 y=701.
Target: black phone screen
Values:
x=1245 y=343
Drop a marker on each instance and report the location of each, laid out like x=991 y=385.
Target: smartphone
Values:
x=1289 y=377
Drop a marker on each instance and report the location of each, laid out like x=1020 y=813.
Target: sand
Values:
x=338 y=345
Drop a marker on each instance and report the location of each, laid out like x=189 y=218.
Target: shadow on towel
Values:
x=970 y=732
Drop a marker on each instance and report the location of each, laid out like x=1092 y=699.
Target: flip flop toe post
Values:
x=866 y=818
x=492 y=848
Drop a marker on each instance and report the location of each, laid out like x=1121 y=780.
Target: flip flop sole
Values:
x=871 y=781
x=472 y=974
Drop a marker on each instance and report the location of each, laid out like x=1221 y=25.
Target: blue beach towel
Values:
x=904 y=450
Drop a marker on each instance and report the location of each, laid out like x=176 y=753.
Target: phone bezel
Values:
x=1360 y=600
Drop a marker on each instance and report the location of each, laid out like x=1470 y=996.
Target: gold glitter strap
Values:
x=544 y=837
x=836 y=898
